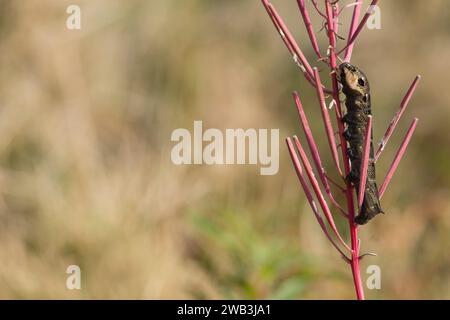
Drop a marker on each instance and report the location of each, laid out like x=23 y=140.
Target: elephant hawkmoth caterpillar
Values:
x=357 y=93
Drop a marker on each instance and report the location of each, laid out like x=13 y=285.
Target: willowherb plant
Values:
x=303 y=167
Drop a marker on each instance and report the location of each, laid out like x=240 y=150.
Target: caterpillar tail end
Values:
x=367 y=214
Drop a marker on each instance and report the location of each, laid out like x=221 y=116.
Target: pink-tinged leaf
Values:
x=398 y=115
x=287 y=37
x=315 y=152
x=309 y=27
x=291 y=44
x=309 y=137
x=398 y=157
x=327 y=122
x=353 y=25
x=360 y=26
x=318 y=192
x=309 y=196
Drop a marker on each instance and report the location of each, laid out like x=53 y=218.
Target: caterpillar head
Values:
x=353 y=80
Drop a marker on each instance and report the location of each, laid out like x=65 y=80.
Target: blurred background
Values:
x=85 y=170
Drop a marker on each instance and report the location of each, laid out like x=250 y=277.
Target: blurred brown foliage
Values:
x=85 y=170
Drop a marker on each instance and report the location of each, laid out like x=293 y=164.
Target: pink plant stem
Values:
x=309 y=27
x=398 y=157
x=327 y=121
x=288 y=39
x=315 y=152
x=364 y=162
x=316 y=188
x=349 y=194
x=312 y=75
x=333 y=66
x=291 y=44
x=360 y=26
x=298 y=170
x=335 y=86
x=353 y=25
x=336 y=17
x=396 y=119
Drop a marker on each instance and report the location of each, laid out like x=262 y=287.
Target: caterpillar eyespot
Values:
x=356 y=89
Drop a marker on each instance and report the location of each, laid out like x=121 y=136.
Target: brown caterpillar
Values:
x=357 y=92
